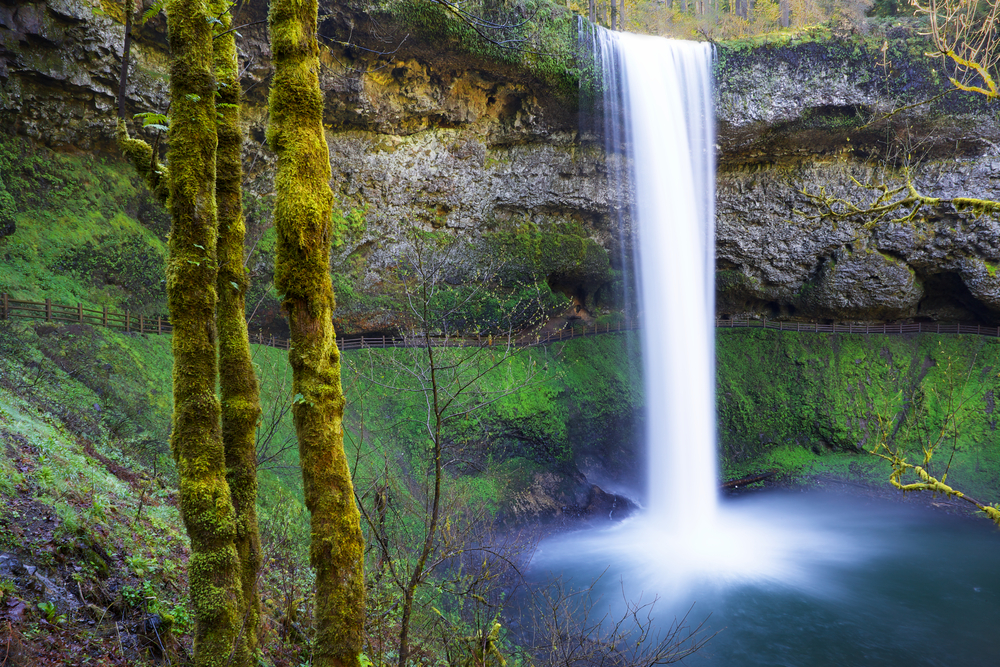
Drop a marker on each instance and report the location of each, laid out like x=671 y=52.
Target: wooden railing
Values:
x=885 y=328
x=131 y=323
x=54 y=312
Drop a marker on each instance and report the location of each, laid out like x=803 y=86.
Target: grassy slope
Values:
x=84 y=426
x=573 y=401
x=86 y=231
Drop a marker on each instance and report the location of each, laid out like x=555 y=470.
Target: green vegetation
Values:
x=541 y=428
x=811 y=404
x=84 y=415
x=86 y=231
x=542 y=39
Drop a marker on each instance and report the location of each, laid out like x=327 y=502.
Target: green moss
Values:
x=239 y=389
x=548 y=31
x=783 y=395
x=86 y=231
x=205 y=498
x=583 y=400
x=302 y=218
x=563 y=254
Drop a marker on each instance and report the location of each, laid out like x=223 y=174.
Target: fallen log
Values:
x=743 y=481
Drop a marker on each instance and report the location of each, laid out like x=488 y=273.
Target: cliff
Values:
x=430 y=126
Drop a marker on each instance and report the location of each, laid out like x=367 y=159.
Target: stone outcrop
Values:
x=424 y=131
x=59 y=67
x=818 y=118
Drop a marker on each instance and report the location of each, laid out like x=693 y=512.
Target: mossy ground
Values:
x=86 y=231
x=84 y=421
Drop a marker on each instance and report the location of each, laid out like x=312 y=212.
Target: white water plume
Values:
x=658 y=106
x=793 y=578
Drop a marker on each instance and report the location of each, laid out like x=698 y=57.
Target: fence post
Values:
x=104 y=317
x=48 y=310
x=128 y=321
x=5 y=306
x=79 y=312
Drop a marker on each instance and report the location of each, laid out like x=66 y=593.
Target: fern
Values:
x=155 y=9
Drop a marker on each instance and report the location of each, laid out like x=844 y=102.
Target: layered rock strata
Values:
x=425 y=133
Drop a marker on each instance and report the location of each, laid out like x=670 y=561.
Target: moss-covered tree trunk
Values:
x=196 y=440
x=302 y=218
x=237 y=379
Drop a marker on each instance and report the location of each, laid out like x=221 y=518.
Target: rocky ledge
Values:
x=426 y=130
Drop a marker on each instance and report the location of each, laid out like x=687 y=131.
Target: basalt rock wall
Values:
x=840 y=123
x=425 y=130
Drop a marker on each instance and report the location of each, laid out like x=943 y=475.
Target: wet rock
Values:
x=863 y=284
x=779 y=263
x=448 y=141
x=153 y=633
x=607 y=505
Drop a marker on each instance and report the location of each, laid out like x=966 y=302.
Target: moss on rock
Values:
x=788 y=400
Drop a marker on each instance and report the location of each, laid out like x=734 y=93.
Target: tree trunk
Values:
x=237 y=380
x=785 y=13
x=302 y=219
x=126 y=50
x=196 y=440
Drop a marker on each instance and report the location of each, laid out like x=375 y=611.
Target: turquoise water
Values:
x=836 y=581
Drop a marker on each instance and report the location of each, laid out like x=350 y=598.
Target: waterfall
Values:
x=657 y=106
x=669 y=134
x=793 y=578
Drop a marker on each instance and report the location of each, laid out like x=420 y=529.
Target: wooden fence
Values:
x=131 y=323
x=898 y=328
x=128 y=322
x=54 y=312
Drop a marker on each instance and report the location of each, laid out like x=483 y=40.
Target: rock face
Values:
x=59 y=66
x=424 y=132
x=811 y=119
x=778 y=263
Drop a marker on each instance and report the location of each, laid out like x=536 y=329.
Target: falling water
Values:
x=669 y=131
x=658 y=110
x=798 y=579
